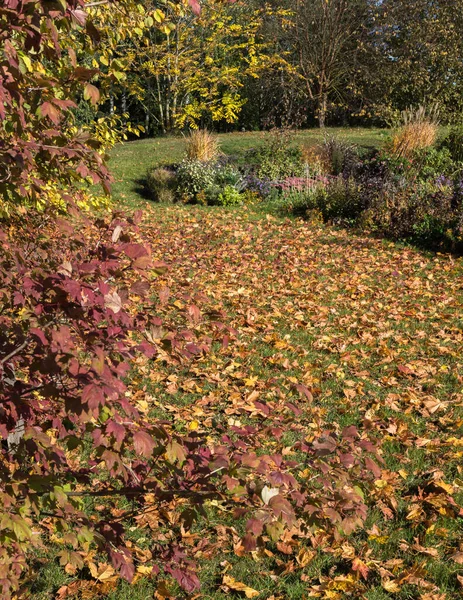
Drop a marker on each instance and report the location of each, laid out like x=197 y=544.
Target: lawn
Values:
x=373 y=331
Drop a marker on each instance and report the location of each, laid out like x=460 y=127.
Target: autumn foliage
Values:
x=74 y=324
x=98 y=313
x=42 y=156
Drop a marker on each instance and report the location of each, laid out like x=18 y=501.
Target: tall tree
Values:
x=195 y=73
x=327 y=38
x=419 y=54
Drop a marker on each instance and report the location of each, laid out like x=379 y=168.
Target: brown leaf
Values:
x=91 y=93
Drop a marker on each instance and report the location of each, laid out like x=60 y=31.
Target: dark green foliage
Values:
x=276 y=159
x=454 y=143
x=341 y=200
x=425 y=213
x=426 y=164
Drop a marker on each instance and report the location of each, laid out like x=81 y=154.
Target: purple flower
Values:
x=443 y=181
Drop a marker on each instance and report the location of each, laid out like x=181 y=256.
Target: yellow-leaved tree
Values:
x=192 y=72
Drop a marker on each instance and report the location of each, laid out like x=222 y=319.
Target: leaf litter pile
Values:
x=337 y=377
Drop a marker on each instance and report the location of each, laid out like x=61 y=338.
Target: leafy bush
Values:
x=201 y=145
x=296 y=202
x=276 y=159
x=337 y=201
x=70 y=329
x=425 y=164
x=419 y=197
x=206 y=182
x=161 y=183
x=228 y=175
x=426 y=213
x=431 y=163
x=194 y=177
x=454 y=143
x=301 y=183
x=230 y=196
x=46 y=158
x=340 y=200
x=260 y=186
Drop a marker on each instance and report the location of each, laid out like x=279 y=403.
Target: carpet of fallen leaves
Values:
x=328 y=329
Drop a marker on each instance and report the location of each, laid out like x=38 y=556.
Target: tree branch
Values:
x=14 y=352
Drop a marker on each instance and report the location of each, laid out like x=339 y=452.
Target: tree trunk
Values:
x=322 y=110
x=124 y=103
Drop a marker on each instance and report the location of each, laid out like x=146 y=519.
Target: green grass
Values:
x=130 y=161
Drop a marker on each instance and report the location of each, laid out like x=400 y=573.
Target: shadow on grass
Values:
x=140 y=188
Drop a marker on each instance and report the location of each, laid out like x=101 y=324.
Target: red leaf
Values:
x=255 y=526
x=373 y=467
x=164 y=295
x=186 y=579
x=195 y=6
x=194 y=313
x=405 y=370
x=135 y=250
x=282 y=508
x=140 y=288
x=249 y=542
x=304 y=391
x=143 y=443
x=93 y=396
x=48 y=110
x=39 y=333
x=360 y=567
x=117 y=430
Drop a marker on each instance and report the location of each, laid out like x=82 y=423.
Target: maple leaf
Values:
x=143 y=443
x=93 y=395
x=360 y=567
x=175 y=452
x=195 y=6
x=91 y=93
x=102 y=572
x=231 y=583
x=48 y=110
x=113 y=301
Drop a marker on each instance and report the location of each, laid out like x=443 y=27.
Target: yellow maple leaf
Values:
x=239 y=587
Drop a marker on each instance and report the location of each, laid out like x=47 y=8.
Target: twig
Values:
x=14 y=352
x=139 y=492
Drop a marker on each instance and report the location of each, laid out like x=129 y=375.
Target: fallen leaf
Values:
x=239 y=587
